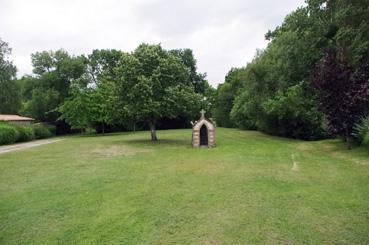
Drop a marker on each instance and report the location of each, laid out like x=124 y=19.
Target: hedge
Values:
x=41 y=131
x=12 y=133
x=8 y=134
x=25 y=133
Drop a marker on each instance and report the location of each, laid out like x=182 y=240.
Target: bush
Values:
x=41 y=131
x=290 y=113
x=11 y=133
x=365 y=141
x=8 y=134
x=26 y=133
x=246 y=111
x=51 y=128
x=361 y=130
x=293 y=114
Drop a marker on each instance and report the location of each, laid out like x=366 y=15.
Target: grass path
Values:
x=123 y=189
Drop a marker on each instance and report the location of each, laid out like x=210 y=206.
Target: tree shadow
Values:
x=160 y=142
x=93 y=135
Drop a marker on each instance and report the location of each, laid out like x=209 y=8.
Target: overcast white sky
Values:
x=222 y=34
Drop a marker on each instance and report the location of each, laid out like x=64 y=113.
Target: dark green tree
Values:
x=273 y=89
x=153 y=83
x=197 y=79
x=76 y=109
x=10 y=97
x=101 y=64
x=47 y=90
x=225 y=95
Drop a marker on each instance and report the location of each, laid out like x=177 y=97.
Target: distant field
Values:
x=123 y=189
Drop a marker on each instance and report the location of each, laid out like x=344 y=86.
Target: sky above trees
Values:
x=222 y=34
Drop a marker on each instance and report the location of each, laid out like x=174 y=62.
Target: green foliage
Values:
x=182 y=99
x=8 y=134
x=75 y=110
x=269 y=95
x=361 y=130
x=153 y=83
x=55 y=72
x=293 y=114
x=41 y=131
x=365 y=141
x=101 y=64
x=100 y=89
x=102 y=104
x=225 y=96
x=7 y=69
x=42 y=104
x=246 y=111
x=12 y=133
x=50 y=127
x=197 y=79
x=273 y=99
x=209 y=99
x=224 y=104
x=10 y=97
x=25 y=133
x=86 y=107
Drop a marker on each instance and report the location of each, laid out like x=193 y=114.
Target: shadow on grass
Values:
x=101 y=134
x=159 y=142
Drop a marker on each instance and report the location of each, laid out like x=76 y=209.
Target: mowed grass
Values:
x=123 y=189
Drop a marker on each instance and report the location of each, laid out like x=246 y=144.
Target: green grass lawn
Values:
x=121 y=188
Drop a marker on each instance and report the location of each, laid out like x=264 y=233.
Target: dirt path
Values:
x=21 y=146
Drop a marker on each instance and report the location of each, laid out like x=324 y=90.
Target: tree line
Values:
x=312 y=79
x=108 y=88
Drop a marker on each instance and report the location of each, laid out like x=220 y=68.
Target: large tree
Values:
x=89 y=106
x=344 y=92
x=10 y=100
x=225 y=96
x=101 y=64
x=76 y=109
x=153 y=83
x=275 y=96
x=50 y=86
x=197 y=79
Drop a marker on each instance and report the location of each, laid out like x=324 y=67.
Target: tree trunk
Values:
x=103 y=128
x=348 y=139
x=153 y=130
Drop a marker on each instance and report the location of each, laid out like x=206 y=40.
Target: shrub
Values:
x=41 y=131
x=51 y=128
x=26 y=133
x=365 y=141
x=361 y=130
x=8 y=134
x=290 y=113
x=293 y=113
